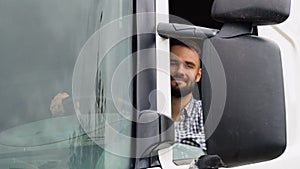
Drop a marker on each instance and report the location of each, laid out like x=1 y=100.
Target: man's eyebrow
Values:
x=190 y=63
x=174 y=59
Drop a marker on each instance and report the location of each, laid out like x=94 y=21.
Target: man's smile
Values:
x=180 y=80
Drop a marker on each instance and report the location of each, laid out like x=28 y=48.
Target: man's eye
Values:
x=190 y=66
x=174 y=63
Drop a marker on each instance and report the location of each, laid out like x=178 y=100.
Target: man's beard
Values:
x=183 y=91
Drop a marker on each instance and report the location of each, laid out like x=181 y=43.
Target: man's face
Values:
x=185 y=70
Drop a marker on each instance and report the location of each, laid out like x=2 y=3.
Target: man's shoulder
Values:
x=197 y=103
x=194 y=107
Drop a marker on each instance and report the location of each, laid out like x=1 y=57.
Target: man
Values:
x=186 y=111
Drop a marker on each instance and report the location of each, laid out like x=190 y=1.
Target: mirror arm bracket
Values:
x=231 y=30
x=174 y=30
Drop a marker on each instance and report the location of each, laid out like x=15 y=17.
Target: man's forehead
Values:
x=184 y=54
x=174 y=57
x=184 y=50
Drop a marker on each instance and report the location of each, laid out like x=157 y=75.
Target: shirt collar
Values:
x=189 y=107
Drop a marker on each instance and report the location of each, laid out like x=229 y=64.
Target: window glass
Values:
x=43 y=44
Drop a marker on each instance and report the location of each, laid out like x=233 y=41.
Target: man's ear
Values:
x=198 y=75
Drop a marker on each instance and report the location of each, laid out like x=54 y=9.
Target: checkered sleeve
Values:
x=190 y=128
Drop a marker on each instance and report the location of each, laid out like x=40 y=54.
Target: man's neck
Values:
x=178 y=104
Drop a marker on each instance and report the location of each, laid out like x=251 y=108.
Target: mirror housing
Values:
x=242 y=84
x=243 y=105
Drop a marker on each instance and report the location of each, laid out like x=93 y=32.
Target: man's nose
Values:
x=181 y=69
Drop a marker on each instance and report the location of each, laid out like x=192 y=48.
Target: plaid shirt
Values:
x=190 y=129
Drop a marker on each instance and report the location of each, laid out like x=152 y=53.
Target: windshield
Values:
x=57 y=72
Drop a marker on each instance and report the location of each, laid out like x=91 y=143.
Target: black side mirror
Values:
x=242 y=82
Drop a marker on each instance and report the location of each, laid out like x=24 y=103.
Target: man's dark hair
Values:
x=190 y=43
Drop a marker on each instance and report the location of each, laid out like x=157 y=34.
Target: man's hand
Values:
x=56 y=106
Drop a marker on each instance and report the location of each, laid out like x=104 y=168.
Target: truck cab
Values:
x=87 y=84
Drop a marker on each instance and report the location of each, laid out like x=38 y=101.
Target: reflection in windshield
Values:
x=39 y=47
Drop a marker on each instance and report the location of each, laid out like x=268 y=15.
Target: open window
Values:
x=242 y=86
